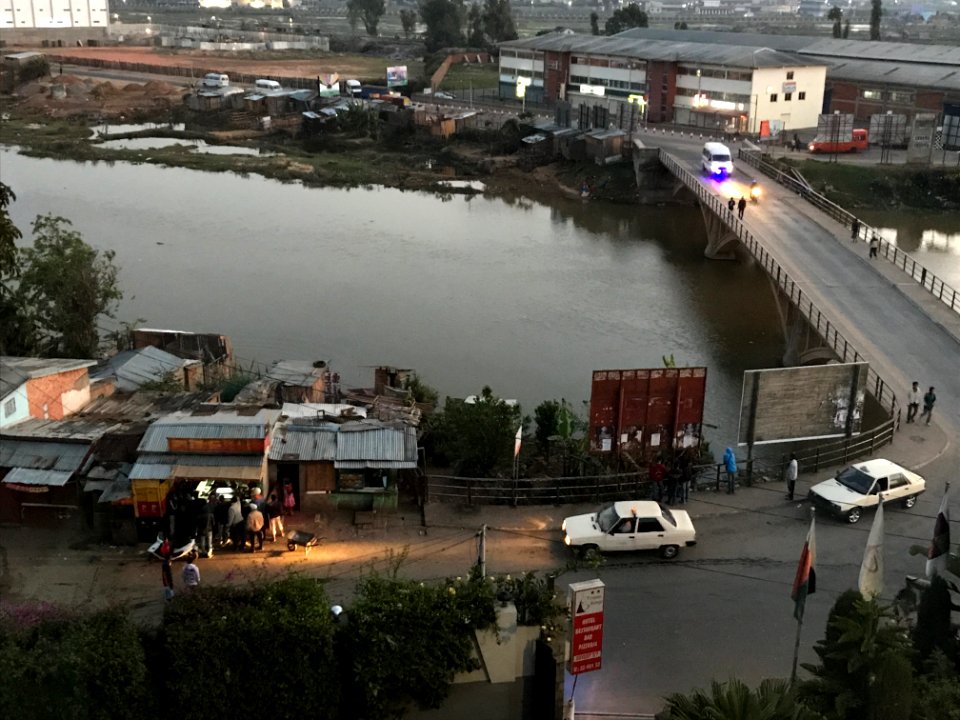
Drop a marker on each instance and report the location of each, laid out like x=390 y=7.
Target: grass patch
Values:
x=866 y=186
x=461 y=76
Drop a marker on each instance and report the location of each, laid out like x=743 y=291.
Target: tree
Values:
x=498 y=21
x=680 y=25
x=408 y=21
x=406 y=641
x=9 y=234
x=933 y=630
x=846 y=30
x=865 y=671
x=836 y=14
x=629 y=17
x=594 y=24
x=369 y=11
x=547 y=417
x=876 y=11
x=64 y=287
x=475 y=37
x=444 y=21
x=733 y=700
x=478 y=436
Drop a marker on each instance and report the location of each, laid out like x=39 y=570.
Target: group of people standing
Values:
x=913 y=403
x=671 y=485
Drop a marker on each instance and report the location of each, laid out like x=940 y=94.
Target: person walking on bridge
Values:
x=741 y=206
x=854 y=229
x=731 y=205
x=874 y=246
x=791 y=472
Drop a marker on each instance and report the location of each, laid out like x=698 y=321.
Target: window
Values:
x=896 y=481
x=649 y=525
x=901 y=97
x=10 y=407
x=802 y=95
x=625 y=527
x=790 y=75
x=773 y=97
x=872 y=95
x=787 y=97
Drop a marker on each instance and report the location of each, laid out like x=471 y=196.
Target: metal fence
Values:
x=928 y=281
x=623 y=486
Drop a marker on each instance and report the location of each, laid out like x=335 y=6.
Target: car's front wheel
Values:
x=854 y=516
x=587 y=551
x=669 y=552
x=909 y=502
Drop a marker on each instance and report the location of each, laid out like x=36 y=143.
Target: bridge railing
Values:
x=882 y=392
x=948 y=295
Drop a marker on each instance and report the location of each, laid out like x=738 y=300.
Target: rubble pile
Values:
x=67 y=96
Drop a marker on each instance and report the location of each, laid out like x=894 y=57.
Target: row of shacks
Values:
x=69 y=448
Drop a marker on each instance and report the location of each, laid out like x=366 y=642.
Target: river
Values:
x=524 y=296
x=933 y=239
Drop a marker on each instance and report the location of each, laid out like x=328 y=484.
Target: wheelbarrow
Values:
x=302 y=538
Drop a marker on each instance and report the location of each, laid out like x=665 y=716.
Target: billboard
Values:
x=645 y=411
x=586 y=639
x=802 y=403
x=328 y=85
x=834 y=128
x=396 y=76
x=921 y=138
x=951 y=126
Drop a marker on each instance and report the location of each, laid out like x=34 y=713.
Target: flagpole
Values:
x=796 y=642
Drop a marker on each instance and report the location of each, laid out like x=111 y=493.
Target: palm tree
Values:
x=733 y=700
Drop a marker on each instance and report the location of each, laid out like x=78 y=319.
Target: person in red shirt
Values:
x=658 y=471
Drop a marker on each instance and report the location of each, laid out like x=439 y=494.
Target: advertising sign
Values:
x=835 y=128
x=396 y=76
x=789 y=87
x=802 y=403
x=586 y=609
x=646 y=410
x=522 y=84
x=921 y=139
x=598 y=90
x=328 y=85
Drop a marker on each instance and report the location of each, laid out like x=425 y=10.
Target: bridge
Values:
x=888 y=311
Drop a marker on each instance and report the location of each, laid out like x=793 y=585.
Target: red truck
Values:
x=858 y=142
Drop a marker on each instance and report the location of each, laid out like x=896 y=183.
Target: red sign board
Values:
x=219 y=446
x=647 y=410
x=586 y=608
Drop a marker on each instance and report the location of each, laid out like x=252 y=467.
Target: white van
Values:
x=267 y=85
x=353 y=87
x=716 y=160
x=215 y=80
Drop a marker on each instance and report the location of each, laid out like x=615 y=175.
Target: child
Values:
x=191 y=573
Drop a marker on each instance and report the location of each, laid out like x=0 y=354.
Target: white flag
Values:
x=516 y=442
x=871 y=571
x=940 y=545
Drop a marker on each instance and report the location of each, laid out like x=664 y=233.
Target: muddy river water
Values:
x=523 y=296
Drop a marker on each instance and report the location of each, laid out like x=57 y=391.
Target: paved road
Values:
x=901 y=340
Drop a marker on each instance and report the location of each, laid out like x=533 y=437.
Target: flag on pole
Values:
x=805 y=583
x=517 y=441
x=871 y=571
x=940 y=545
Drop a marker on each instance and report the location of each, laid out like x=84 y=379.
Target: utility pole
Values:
x=482 y=551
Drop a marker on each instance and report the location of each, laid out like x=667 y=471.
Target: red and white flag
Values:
x=940 y=544
x=517 y=441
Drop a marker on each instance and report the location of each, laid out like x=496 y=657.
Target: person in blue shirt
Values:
x=730 y=464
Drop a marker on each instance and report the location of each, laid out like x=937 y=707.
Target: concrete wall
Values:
x=16 y=403
x=795 y=113
x=53 y=14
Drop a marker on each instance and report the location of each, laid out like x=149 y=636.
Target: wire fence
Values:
x=928 y=280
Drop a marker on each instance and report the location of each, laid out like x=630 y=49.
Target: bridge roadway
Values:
x=901 y=331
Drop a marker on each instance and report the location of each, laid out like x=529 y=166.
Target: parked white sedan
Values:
x=858 y=487
x=631 y=525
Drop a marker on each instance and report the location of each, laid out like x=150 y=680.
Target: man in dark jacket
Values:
x=205 y=524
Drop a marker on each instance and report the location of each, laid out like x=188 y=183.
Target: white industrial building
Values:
x=53 y=14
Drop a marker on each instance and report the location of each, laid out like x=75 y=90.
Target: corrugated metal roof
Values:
x=119 y=489
x=294 y=372
x=207 y=460
x=382 y=447
x=28 y=476
x=79 y=428
x=151 y=472
x=321 y=410
x=910 y=75
x=233 y=467
x=14 y=371
x=625 y=45
x=304 y=443
x=155 y=439
x=38 y=455
x=133 y=368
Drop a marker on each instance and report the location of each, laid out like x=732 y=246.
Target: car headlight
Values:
x=566 y=539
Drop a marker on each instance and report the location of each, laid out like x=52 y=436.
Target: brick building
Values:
x=43 y=388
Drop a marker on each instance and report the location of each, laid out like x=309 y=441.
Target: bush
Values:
x=266 y=649
x=59 y=666
x=33 y=70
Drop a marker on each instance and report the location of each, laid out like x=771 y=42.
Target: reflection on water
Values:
x=933 y=239
x=526 y=297
x=108 y=129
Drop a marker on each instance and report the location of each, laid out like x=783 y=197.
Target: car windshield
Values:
x=720 y=157
x=856 y=480
x=607 y=518
x=668 y=516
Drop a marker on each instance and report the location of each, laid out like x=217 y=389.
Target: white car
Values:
x=631 y=525
x=858 y=487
